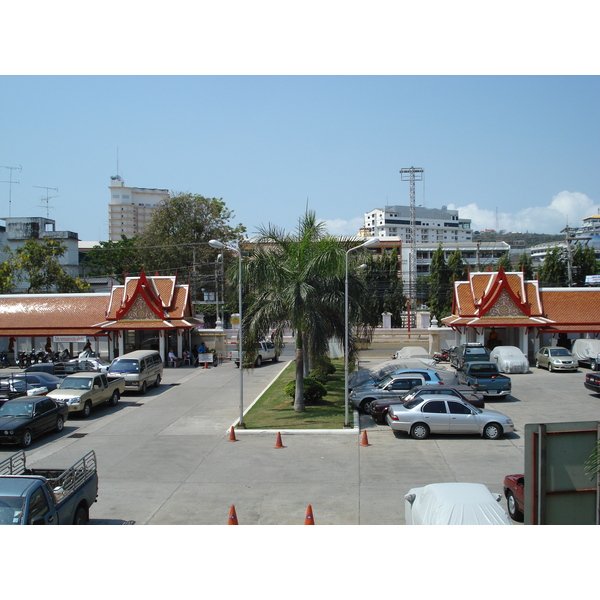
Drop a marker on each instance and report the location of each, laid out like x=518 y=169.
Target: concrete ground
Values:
x=166 y=458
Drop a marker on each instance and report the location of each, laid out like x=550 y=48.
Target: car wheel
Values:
x=144 y=388
x=258 y=361
x=549 y=367
x=537 y=363
x=81 y=516
x=513 y=509
x=26 y=439
x=419 y=431
x=87 y=410
x=157 y=382
x=594 y=365
x=492 y=431
x=365 y=405
x=60 y=423
x=114 y=399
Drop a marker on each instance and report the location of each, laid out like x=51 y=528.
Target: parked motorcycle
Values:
x=4 y=362
x=442 y=356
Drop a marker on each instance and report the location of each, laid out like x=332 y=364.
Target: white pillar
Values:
x=386 y=320
x=161 y=345
x=121 y=343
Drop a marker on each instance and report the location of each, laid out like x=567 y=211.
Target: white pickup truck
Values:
x=262 y=351
x=85 y=390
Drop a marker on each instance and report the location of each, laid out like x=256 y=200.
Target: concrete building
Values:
x=131 y=208
x=433 y=225
x=20 y=229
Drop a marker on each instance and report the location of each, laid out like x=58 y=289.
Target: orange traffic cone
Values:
x=232 y=516
x=278 y=443
x=232 y=437
x=309 y=519
x=364 y=441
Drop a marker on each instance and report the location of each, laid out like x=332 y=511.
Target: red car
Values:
x=515 y=496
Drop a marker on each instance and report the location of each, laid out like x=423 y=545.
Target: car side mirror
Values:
x=410 y=498
x=498 y=497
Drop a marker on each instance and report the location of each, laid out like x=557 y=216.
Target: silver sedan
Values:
x=447 y=415
x=556 y=359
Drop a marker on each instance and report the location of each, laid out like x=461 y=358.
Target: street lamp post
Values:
x=236 y=249
x=369 y=242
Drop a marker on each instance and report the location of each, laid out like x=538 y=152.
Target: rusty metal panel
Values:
x=558 y=491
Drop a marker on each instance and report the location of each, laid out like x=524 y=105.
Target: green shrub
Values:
x=313 y=390
x=322 y=369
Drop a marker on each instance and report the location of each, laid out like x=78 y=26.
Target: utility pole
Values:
x=412 y=174
x=47 y=199
x=10 y=182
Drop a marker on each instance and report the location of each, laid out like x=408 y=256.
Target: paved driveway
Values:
x=166 y=458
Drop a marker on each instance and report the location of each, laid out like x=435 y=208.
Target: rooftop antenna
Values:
x=47 y=198
x=10 y=182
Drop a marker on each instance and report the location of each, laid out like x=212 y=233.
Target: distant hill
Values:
x=517 y=240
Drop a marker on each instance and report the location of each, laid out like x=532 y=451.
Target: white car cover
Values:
x=509 y=359
x=412 y=352
x=585 y=349
x=454 y=504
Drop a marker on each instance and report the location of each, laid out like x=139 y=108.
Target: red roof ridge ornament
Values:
x=142 y=288
x=498 y=284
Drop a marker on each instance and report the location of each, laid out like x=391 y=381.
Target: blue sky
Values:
x=517 y=151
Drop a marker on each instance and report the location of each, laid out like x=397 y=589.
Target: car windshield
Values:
x=124 y=366
x=11 y=510
x=559 y=352
x=76 y=383
x=16 y=409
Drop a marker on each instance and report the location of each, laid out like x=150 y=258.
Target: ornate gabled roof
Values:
x=148 y=302
x=503 y=299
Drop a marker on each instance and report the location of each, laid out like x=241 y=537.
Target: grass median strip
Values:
x=275 y=410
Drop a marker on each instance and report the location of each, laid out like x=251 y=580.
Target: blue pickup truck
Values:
x=485 y=378
x=47 y=496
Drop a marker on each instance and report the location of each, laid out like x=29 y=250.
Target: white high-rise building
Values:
x=130 y=208
x=432 y=225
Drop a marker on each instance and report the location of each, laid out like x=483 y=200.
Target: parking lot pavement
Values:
x=166 y=458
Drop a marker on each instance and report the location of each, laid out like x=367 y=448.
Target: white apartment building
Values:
x=433 y=225
x=130 y=208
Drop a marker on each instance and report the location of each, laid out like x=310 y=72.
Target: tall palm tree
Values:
x=297 y=280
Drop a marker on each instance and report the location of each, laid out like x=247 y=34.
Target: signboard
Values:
x=592 y=279
x=65 y=339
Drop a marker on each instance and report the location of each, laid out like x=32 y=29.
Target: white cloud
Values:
x=566 y=208
x=344 y=226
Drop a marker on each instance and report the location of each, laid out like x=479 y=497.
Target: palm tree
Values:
x=297 y=280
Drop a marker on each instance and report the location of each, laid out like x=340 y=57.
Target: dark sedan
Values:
x=35 y=380
x=379 y=408
x=592 y=382
x=23 y=419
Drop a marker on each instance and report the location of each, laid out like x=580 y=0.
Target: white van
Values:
x=140 y=369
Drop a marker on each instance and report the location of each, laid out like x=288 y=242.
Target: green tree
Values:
x=385 y=289
x=584 y=263
x=113 y=259
x=8 y=273
x=176 y=239
x=298 y=280
x=36 y=263
x=458 y=269
x=554 y=270
x=525 y=264
x=440 y=286
x=505 y=262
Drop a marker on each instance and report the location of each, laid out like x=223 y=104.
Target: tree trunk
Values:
x=299 y=396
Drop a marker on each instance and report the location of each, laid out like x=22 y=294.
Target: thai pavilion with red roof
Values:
x=520 y=313
x=145 y=312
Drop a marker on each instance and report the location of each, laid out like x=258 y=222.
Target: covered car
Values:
x=412 y=352
x=509 y=359
x=454 y=503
